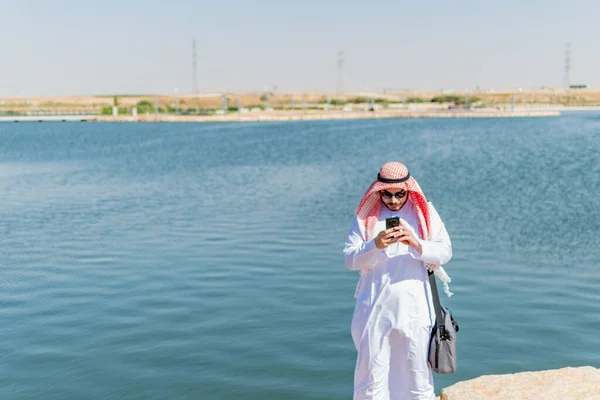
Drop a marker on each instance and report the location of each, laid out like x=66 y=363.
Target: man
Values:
x=394 y=313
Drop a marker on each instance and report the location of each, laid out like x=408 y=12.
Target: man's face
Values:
x=393 y=199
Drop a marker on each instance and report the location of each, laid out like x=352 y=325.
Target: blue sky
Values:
x=66 y=47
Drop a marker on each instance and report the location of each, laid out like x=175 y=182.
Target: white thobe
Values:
x=394 y=313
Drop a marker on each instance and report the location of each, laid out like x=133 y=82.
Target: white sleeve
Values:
x=437 y=250
x=359 y=254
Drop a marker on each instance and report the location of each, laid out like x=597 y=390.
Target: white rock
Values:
x=582 y=383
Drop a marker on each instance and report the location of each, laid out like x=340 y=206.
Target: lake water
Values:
x=204 y=261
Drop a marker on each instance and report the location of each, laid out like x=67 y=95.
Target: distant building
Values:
x=579 y=86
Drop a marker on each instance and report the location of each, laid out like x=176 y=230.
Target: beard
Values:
x=395 y=206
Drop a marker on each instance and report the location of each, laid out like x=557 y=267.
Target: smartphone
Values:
x=392 y=222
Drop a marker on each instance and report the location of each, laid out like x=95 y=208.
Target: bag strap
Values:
x=439 y=319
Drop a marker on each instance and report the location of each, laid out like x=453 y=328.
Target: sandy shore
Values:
x=332 y=115
x=308 y=115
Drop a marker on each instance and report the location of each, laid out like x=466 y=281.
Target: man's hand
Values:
x=387 y=237
x=407 y=237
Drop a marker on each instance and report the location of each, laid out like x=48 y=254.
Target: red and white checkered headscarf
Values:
x=392 y=175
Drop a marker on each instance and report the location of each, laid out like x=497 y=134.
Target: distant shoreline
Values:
x=326 y=115
x=276 y=105
x=309 y=115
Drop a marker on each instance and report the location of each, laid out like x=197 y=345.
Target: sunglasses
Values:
x=388 y=196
